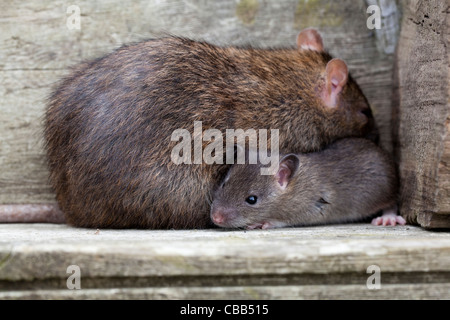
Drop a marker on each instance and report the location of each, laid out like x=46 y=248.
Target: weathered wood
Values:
x=23 y=174
x=423 y=113
x=36 y=48
x=315 y=292
x=293 y=263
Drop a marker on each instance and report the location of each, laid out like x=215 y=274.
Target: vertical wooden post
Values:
x=422 y=113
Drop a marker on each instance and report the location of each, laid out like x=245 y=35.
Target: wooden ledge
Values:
x=290 y=263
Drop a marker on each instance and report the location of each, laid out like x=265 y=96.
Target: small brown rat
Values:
x=348 y=181
x=109 y=123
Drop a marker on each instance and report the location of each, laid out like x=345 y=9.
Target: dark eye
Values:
x=251 y=199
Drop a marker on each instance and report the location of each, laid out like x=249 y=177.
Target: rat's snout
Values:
x=367 y=119
x=367 y=112
x=370 y=130
x=222 y=216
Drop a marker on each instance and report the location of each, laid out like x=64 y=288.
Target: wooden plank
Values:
x=422 y=115
x=23 y=171
x=290 y=263
x=312 y=250
x=36 y=48
x=316 y=292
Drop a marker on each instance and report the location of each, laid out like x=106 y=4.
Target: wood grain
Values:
x=422 y=113
x=291 y=263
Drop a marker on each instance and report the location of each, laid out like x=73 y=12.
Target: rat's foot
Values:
x=266 y=225
x=389 y=218
x=255 y=226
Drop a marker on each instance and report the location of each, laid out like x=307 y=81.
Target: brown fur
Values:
x=109 y=123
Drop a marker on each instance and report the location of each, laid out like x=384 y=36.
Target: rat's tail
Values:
x=31 y=213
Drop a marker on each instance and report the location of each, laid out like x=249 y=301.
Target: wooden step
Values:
x=323 y=262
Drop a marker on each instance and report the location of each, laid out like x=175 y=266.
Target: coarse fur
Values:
x=350 y=180
x=109 y=123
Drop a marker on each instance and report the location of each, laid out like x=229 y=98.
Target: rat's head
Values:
x=248 y=199
x=339 y=95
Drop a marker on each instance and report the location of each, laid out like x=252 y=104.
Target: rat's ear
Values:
x=336 y=77
x=309 y=39
x=288 y=165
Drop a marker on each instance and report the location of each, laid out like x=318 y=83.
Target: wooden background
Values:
x=37 y=47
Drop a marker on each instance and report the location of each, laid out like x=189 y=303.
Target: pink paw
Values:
x=266 y=225
x=255 y=226
x=388 y=219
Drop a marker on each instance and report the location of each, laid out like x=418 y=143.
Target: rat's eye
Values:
x=251 y=199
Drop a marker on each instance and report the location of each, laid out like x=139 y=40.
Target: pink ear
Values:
x=310 y=39
x=288 y=166
x=335 y=79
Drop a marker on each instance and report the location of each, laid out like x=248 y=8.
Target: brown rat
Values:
x=348 y=181
x=109 y=123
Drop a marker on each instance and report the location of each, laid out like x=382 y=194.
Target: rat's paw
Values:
x=388 y=219
x=266 y=225
x=255 y=226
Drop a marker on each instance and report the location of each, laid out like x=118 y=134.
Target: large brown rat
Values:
x=350 y=180
x=109 y=123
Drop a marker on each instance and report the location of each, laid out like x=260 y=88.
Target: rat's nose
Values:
x=218 y=218
x=221 y=216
